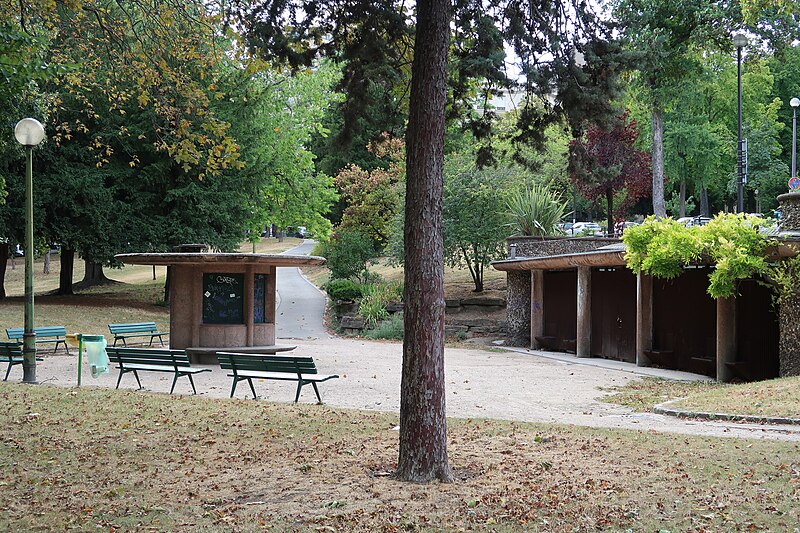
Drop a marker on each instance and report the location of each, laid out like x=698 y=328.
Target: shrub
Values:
x=343 y=289
x=391 y=329
x=375 y=298
x=536 y=211
x=348 y=253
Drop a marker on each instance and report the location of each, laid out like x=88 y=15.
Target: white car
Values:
x=587 y=229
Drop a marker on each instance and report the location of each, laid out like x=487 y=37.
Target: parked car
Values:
x=587 y=229
x=565 y=227
x=694 y=221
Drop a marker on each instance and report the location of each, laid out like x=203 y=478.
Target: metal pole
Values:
x=794 y=142
x=740 y=155
x=29 y=334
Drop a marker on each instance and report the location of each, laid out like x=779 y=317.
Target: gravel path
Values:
x=480 y=384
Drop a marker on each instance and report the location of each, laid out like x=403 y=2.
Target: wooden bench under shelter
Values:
x=136 y=329
x=278 y=367
x=153 y=360
x=11 y=353
x=54 y=334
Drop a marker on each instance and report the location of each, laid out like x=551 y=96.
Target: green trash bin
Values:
x=96 y=354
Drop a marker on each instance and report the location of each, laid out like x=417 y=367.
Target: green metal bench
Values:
x=55 y=334
x=11 y=353
x=280 y=367
x=136 y=329
x=153 y=360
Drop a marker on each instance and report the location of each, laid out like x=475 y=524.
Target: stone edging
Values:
x=663 y=409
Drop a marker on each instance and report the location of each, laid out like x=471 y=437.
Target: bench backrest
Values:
x=137 y=327
x=289 y=364
x=44 y=331
x=147 y=356
x=10 y=350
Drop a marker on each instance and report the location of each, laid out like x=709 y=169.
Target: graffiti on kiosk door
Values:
x=223 y=298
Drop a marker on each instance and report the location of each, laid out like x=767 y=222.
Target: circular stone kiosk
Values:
x=220 y=301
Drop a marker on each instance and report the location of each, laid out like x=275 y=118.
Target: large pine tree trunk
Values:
x=423 y=426
x=659 y=207
x=66 y=270
x=4 y=252
x=610 y=211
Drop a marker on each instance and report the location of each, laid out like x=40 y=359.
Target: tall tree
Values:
x=663 y=33
x=475 y=221
x=609 y=162
x=423 y=423
x=545 y=38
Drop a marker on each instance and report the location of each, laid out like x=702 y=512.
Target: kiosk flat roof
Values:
x=166 y=259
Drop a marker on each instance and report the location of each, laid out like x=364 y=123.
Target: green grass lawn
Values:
x=101 y=459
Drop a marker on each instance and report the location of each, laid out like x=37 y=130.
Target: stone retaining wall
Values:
x=351 y=324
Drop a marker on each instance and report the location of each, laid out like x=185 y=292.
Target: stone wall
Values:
x=459 y=318
x=518 y=310
x=789 y=344
x=544 y=246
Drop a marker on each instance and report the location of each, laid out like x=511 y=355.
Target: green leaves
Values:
x=735 y=244
x=536 y=210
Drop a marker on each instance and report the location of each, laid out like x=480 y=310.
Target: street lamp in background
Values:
x=740 y=41
x=794 y=102
x=29 y=133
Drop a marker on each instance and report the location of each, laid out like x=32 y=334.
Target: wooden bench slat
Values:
x=136 y=329
x=156 y=360
x=248 y=366
x=58 y=334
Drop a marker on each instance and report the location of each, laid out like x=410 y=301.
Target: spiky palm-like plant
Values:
x=536 y=211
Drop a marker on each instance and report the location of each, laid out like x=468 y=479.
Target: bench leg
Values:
x=192 y=382
x=66 y=347
x=8 y=371
x=120 y=376
x=174 y=380
x=299 y=386
x=319 y=400
x=250 y=381
x=136 y=375
x=233 y=389
x=161 y=340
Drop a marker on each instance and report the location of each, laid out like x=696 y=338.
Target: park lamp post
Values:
x=794 y=102
x=739 y=41
x=29 y=133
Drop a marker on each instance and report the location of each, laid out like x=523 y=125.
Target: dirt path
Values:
x=480 y=384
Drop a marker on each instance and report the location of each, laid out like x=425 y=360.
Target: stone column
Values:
x=518 y=307
x=726 y=337
x=644 y=318
x=584 y=341
x=537 y=306
x=789 y=312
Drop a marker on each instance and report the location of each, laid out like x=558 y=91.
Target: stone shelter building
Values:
x=577 y=295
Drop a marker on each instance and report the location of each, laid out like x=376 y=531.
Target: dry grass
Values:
x=776 y=397
x=91 y=459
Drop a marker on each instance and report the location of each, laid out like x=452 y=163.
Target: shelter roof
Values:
x=182 y=258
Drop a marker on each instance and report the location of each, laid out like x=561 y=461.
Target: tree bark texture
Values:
x=94 y=274
x=4 y=253
x=423 y=426
x=66 y=270
x=682 y=208
x=659 y=207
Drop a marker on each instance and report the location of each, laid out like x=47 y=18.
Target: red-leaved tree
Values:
x=606 y=162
